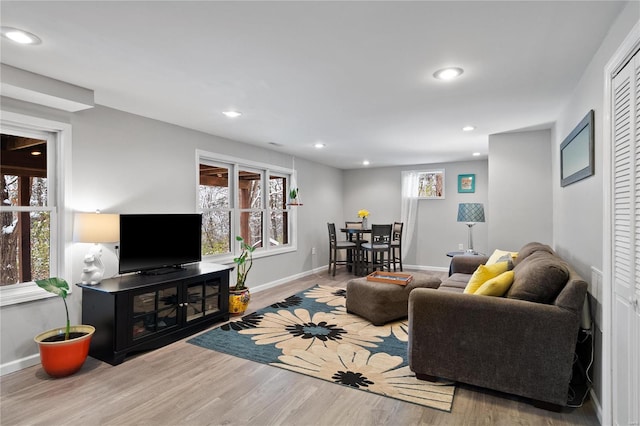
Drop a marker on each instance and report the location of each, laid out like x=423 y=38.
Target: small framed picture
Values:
x=466 y=183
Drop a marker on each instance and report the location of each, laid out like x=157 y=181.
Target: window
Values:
x=279 y=216
x=32 y=231
x=240 y=197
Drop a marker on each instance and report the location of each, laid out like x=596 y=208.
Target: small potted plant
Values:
x=63 y=351
x=239 y=295
x=293 y=197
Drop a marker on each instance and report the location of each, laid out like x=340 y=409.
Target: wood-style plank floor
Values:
x=183 y=384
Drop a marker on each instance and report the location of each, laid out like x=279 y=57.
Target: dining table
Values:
x=356 y=235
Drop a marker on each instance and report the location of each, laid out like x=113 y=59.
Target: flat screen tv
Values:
x=156 y=243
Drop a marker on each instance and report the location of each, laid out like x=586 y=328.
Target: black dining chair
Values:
x=396 y=245
x=377 y=253
x=335 y=246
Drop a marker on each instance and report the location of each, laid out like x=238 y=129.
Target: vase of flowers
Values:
x=364 y=215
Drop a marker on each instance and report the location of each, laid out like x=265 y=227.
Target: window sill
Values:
x=20 y=293
x=228 y=258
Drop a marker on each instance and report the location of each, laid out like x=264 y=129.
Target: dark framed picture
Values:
x=577 y=152
x=466 y=183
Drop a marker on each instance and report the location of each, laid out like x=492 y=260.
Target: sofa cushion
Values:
x=455 y=283
x=539 y=278
x=497 y=286
x=529 y=249
x=483 y=274
x=501 y=256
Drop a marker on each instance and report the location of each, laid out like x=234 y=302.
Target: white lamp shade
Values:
x=96 y=228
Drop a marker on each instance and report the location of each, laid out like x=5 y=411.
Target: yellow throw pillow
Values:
x=497 y=254
x=497 y=286
x=483 y=274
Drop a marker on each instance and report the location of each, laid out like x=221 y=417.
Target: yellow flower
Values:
x=363 y=213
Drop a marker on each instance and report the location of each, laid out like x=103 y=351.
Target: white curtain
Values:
x=409 y=208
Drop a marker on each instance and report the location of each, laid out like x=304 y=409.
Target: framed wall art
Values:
x=467 y=183
x=577 y=152
x=431 y=184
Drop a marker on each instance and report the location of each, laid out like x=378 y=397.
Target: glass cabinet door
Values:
x=154 y=312
x=203 y=298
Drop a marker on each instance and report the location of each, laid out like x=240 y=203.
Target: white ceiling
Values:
x=354 y=75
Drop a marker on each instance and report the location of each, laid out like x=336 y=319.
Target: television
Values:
x=159 y=243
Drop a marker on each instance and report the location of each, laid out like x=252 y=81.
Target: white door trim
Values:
x=621 y=55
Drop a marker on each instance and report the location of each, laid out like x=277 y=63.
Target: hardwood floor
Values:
x=183 y=384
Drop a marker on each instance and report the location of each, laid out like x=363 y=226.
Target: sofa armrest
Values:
x=466 y=264
x=508 y=345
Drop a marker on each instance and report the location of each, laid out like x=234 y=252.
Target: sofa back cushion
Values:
x=530 y=248
x=539 y=278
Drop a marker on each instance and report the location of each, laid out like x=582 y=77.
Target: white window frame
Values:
x=234 y=164
x=58 y=137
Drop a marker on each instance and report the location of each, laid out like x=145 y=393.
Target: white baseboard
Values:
x=596 y=405
x=266 y=286
x=427 y=268
x=19 y=364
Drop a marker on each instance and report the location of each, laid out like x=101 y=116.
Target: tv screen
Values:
x=155 y=241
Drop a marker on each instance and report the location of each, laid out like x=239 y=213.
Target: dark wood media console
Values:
x=140 y=312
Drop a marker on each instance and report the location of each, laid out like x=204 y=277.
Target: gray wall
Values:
x=379 y=191
x=123 y=163
x=520 y=199
x=578 y=208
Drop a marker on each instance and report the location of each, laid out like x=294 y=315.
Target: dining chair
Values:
x=396 y=245
x=335 y=245
x=356 y=225
x=375 y=251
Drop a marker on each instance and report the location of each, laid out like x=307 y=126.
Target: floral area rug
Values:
x=311 y=333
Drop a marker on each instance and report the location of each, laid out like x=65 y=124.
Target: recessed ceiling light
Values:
x=448 y=73
x=365 y=163
x=232 y=114
x=20 y=36
x=468 y=128
x=319 y=145
x=476 y=154
x=36 y=153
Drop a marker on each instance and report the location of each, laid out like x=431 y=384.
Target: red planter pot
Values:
x=63 y=358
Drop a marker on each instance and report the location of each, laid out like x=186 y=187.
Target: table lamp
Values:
x=471 y=213
x=95 y=228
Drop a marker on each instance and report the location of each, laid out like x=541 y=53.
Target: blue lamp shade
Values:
x=470 y=212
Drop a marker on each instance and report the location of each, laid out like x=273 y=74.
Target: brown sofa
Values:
x=522 y=343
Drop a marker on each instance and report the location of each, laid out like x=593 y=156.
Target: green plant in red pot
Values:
x=63 y=351
x=239 y=295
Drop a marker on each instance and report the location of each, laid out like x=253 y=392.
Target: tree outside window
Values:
x=25 y=212
x=233 y=196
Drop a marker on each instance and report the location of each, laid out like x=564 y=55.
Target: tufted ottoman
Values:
x=382 y=302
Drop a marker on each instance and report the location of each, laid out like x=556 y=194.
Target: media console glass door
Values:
x=203 y=298
x=154 y=312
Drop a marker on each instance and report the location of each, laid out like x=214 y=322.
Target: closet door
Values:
x=626 y=244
